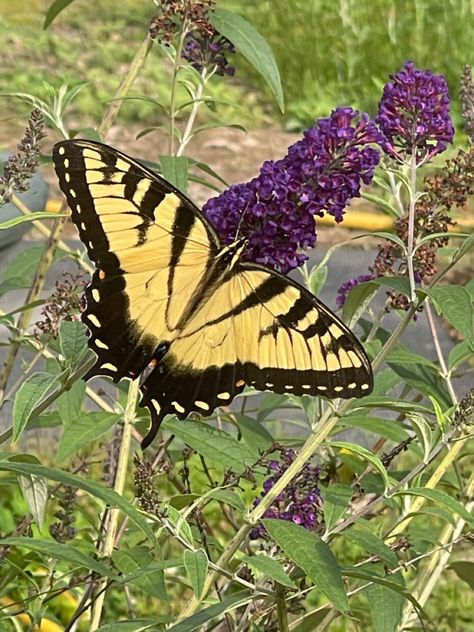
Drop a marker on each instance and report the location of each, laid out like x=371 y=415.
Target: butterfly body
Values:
x=169 y=303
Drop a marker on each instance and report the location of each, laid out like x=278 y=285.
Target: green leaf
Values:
x=137 y=625
x=386 y=608
x=22 y=219
x=269 y=568
x=392 y=430
x=372 y=544
x=138 y=558
x=218 y=446
x=336 y=500
x=196 y=565
x=72 y=341
x=69 y=403
x=401 y=355
x=365 y=454
x=317 y=279
x=423 y=431
x=251 y=45
x=227 y=497
x=437 y=496
x=22 y=268
x=398 y=283
x=35 y=492
x=390 y=237
x=382 y=203
x=178 y=521
x=253 y=432
x=456 y=304
x=390 y=403
x=424 y=379
x=197 y=621
x=65 y=552
x=91 y=487
x=33 y=391
x=461 y=353
x=313 y=556
x=80 y=432
x=464 y=570
x=54 y=10
x=175 y=170
x=309 y=622
x=357 y=301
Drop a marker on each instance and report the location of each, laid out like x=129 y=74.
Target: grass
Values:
x=338 y=52
x=79 y=48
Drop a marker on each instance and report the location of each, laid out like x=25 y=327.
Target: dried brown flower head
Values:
x=147 y=493
x=20 y=167
x=64 y=303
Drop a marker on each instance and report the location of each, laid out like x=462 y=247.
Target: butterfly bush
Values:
x=413 y=114
x=275 y=212
x=300 y=502
x=413 y=117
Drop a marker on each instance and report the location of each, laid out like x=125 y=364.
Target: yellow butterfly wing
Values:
x=150 y=249
x=261 y=329
x=169 y=303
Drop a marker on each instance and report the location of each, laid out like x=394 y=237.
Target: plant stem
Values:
x=197 y=102
x=411 y=227
x=451 y=456
x=282 y=613
x=174 y=81
x=111 y=519
x=124 y=86
x=439 y=352
x=429 y=576
x=45 y=231
x=24 y=318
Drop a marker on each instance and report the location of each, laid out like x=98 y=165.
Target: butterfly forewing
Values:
x=164 y=303
x=149 y=246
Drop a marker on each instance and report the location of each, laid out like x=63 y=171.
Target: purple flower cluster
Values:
x=349 y=285
x=413 y=114
x=275 y=211
x=300 y=502
x=204 y=50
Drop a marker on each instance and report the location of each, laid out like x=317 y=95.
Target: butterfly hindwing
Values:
x=261 y=329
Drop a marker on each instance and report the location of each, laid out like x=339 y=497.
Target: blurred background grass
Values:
x=330 y=52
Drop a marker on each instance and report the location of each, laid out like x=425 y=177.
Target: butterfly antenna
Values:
x=236 y=236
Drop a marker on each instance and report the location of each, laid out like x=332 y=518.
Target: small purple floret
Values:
x=300 y=502
x=205 y=51
x=349 y=285
x=321 y=172
x=414 y=115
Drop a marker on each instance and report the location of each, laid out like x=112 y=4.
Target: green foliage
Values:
x=393 y=496
x=366 y=40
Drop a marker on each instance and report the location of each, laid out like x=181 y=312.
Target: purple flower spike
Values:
x=300 y=502
x=205 y=50
x=413 y=114
x=321 y=172
x=349 y=285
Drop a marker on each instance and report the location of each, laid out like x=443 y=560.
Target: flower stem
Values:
x=197 y=102
x=434 y=334
x=411 y=227
x=112 y=514
x=174 y=81
x=124 y=86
